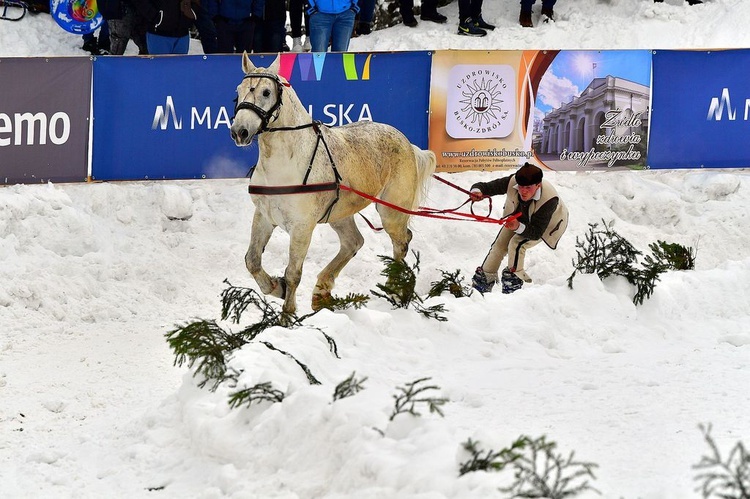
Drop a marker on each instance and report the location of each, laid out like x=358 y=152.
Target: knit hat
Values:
x=528 y=174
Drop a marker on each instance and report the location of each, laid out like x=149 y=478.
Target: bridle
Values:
x=266 y=117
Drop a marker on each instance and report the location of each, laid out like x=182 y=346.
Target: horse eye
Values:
x=266 y=93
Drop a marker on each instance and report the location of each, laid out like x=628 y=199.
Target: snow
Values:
x=93 y=277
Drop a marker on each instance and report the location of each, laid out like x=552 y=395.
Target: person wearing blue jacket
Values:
x=331 y=20
x=235 y=28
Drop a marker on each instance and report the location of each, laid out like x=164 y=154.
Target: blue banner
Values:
x=169 y=117
x=700 y=109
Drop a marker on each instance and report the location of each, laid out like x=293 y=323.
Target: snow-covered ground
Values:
x=93 y=277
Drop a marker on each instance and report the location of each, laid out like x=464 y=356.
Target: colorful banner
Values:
x=169 y=117
x=701 y=105
x=44 y=119
x=564 y=110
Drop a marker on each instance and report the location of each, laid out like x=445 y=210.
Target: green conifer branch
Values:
x=452 y=283
x=350 y=386
x=723 y=478
x=407 y=400
x=541 y=473
x=203 y=344
x=262 y=392
x=310 y=378
x=490 y=460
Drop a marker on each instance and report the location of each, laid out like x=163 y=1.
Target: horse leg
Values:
x=299 y=243
x=395 y=224
x=350 y=241
x=259 y=236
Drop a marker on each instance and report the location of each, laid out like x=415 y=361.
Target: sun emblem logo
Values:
x=481 y=101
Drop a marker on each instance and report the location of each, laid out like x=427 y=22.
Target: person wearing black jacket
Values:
x=169 y=23
x=270 y=30
x=125 y=24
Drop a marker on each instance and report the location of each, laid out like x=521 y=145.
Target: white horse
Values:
x=302 y=165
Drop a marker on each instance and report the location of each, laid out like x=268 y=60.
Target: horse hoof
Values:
x=321 y=301
x=279 y=288
x=286 y=320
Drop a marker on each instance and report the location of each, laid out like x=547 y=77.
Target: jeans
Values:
x=158 y=44
x=469 y=8
x=334 y=27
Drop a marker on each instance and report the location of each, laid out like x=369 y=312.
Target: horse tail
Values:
x=426 y=164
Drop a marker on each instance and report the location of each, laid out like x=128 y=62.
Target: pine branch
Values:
x=352 y=300
x=205 y=344
x=490 y=460
x=671 y=256
x=540 y=473
x=725 y=479
x=310 y=378
x=410 y=397
x=262 y=392
x=606 y=253
x=235 y=300
x=452 y=283
x=350 y=386
x=398 y=289
x=432 y=312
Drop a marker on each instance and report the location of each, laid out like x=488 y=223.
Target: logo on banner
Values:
x=167 y=115
x=481 y=101
x=718 y=104
x=56 y=128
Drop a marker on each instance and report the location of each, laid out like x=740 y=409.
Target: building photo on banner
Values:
x=626 y=348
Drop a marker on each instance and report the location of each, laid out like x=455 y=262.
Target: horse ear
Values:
x=274 y=67
x=247 y=64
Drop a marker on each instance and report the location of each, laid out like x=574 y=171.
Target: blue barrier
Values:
x=169 y=117
x=700 y=109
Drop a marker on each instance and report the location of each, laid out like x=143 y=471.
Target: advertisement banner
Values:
x=701 y=108
x=563 y=110
x=169 y=117
x=44 y=119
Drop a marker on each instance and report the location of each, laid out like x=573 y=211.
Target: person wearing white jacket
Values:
x=541 y=216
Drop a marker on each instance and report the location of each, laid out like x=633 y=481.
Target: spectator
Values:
x=429 y=12
x=470 y=22
x=98 y=46
x=331 y=20
x=366 y=16
x=169 y=23
x=690 y=2
x=269 y=17
x=296 y=11
x=548 y=15
x=206 y=29
x=235 y=27
x=125 y=24
x=543 y=217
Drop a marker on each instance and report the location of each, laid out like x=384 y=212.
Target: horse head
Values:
x=259 y=98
